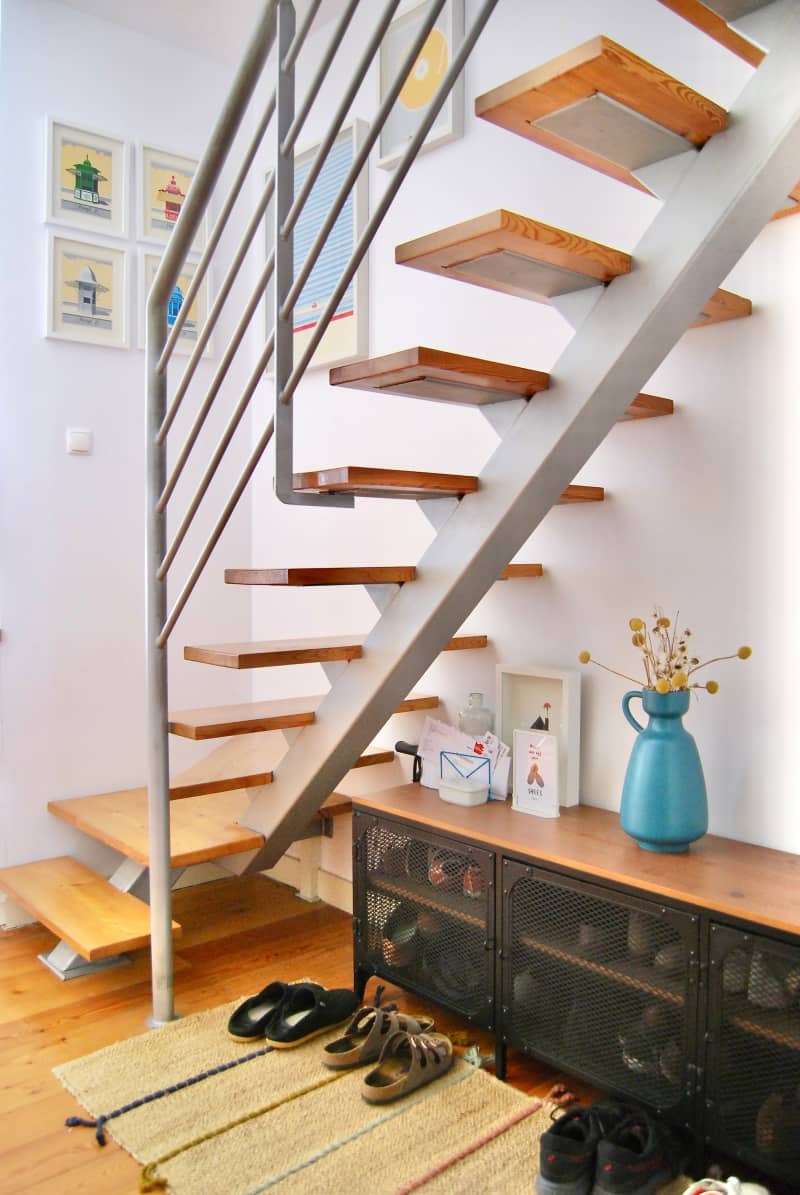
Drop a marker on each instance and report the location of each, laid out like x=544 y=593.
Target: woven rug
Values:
x=279 y=1120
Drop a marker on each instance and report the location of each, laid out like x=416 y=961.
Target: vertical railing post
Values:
x=284 y=249
x=158 y=738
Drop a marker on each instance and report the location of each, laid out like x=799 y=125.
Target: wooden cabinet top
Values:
x=717 y=874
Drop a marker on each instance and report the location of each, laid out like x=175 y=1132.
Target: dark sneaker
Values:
x=638 y=1157
x=567 y=1151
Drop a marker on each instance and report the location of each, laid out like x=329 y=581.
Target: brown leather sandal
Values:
x=408 y=1061
x=367 y=1034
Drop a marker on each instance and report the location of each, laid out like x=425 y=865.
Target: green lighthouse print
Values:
x=86 y=178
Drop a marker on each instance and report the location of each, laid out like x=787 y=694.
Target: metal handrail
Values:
x=276 y=34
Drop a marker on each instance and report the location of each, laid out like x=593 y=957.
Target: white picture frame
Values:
x=520 y=699
x=86 y=179
x=422 y=83
x=148 y=263
x=163 y=181
x=87 y=292
x=347 y=335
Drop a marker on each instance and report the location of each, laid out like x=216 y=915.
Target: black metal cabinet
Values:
x=662 y=1002
x=601 y=984
x=752 y=1052
x=424 y=914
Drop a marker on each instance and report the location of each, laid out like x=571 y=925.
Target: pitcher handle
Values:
x=626 y=700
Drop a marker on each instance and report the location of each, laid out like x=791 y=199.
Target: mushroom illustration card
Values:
x=535 y=773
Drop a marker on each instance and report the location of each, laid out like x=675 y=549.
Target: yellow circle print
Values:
x=427 y=72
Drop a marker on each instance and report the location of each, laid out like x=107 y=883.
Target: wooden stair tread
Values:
x=365 y=482
x=723 y=305
x=450 y=377
x=80 y=906
x=256 y=716
x=514 y=572
x=202 y=828
x=516 y=255
x=370 y=575
x=715 y=26
x=442 y=377
x=357 y=575
x=582 y=493
x=373 y=757
x=564 y=106
x=308 y=651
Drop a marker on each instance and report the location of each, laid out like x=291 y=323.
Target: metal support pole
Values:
x=158 y=736
x=284 y=271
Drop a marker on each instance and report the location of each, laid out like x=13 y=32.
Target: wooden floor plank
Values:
x=257 y=716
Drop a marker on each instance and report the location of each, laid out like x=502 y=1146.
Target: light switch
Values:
x=79 y=441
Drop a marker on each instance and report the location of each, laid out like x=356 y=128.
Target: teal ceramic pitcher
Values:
x=664 y=804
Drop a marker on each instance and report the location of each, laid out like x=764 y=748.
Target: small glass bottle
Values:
x=475 y=718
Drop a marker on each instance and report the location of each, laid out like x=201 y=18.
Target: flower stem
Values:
x=716 y=660
x=622 y=674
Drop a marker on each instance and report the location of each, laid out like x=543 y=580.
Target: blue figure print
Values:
x=174 y=305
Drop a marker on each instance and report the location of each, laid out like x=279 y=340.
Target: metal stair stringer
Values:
x=718 y=209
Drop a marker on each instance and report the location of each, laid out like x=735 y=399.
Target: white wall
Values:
x=72 y=700
x=699 y=507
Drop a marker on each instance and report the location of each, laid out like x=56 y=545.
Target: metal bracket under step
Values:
x=66 y=963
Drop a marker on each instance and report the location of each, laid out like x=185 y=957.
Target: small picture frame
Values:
x=536 y=773
x=535 y=699
x=347 y=335
x=86 y=179
x=423 y=80
x=86 y=292
x=163 y=182
x=198 y=314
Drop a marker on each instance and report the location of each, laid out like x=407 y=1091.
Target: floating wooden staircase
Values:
x=520 y=256
x=606 y=108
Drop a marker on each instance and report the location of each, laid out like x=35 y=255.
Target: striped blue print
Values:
x=339 y=245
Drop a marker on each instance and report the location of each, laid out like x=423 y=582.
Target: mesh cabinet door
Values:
x=753 y=1050
x=425 y=915
x=600 y=984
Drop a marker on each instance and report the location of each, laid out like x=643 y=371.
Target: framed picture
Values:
x=86 y=291
x=163 y=183
x=87 y=179
x=422 y=82
x=198 y=312
x=539 y=699
x=347 y=335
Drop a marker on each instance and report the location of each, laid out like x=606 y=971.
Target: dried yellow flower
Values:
x=744 y=653
x=663 y=622
x=712 y=686
x=637 y=640
x=680 y=680
x=584 y=657
x=662 y=686
x=636 y=624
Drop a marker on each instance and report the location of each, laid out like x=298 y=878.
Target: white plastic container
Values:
x=458 y=790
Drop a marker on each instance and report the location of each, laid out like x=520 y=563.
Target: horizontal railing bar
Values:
x=213 y=160
x=221 y=524
x=456 y=66
x=219 y=377
x=218 y=304
x=219 y=452
x=335 y=126
x=319 y=78
x=301 y=35
x=216 y=233
x=359 y=160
